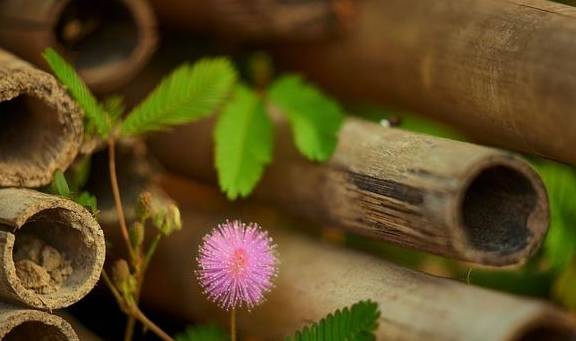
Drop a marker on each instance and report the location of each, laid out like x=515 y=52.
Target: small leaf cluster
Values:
x=203 y=333
x=354 y=323
x=60 y=186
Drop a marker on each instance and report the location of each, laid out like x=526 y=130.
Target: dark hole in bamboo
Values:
x=55 y=228
x=547 y=332
x=496 y=209
x=97 y=32
x=28 y=125
x=35 y=330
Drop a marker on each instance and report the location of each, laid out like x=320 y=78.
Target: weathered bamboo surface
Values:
x=52 y=249
x=315 y=279
x=17 y=324
x=108 y=41
x=41 y=127
x=504 y=71
x=450 y=198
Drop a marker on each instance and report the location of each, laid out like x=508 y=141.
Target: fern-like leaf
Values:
x=188 y=93
x=202 y=333
x=354 y=323
x=66 y=74
x=315 y=118
x=243 y=143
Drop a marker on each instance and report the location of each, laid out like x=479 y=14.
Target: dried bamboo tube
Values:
x=450 y=198
x=18 y=324
x=41 y=127
x=52 y=249
x=502 y=71
x=108 y=41
x=315 y=279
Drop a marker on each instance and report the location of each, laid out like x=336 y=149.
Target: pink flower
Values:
x=236 y=264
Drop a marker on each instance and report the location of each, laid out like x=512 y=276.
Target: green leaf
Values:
x=315 y=118
x=88 y=201
x=59 y=185
x=114 y=106
x=79 y=172
x=79 y=91
x=357 y=322
x=187 y=94
x=202 y=333
x=243 y=143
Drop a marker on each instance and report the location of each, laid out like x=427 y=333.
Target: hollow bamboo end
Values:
x=52 y=249
x=550 y=324
x=21 y=324
x=502 y=213
x=41 y=127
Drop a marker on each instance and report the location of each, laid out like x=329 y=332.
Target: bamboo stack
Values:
x=51 y=249
x=108 y=41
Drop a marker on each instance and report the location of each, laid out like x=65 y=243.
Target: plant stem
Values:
x=129 y=331
x=233 y=324
x=116 y=193
x=137 y=313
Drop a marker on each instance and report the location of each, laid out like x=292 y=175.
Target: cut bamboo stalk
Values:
x=52 y=249
x=450 y=198
x=315 y=279
x=108 y=41
x=502 y=71
x=17 y=324
x=252 y=20
x=41 y=127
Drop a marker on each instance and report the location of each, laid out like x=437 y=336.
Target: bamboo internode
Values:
x=108 y=41
x=52 y=249
x=41 y=127
x=450 y=198
x=315 y=279
x=17 y=324
x=504 y=71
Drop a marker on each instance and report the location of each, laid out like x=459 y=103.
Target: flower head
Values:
x=236 y=264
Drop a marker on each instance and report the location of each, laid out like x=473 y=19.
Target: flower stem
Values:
x=116 y=193
x=138 y=314
x=233 y=324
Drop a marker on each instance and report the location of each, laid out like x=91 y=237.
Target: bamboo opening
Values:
x=497 y=209
x=549 y=331
x=27 y=125
x=35 y=330
x=97 y=32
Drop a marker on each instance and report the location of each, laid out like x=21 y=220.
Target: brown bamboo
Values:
x=64 y=227
x=253 y=20
x=450 y=198
x=17 y=324
x=40 y=126
x=502 y=71
x=108 y=41
x=315 y=279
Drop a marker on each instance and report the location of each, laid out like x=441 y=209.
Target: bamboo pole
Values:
x=450 y=198
x=108 y=41
x=40 y=126
x=52 y=249
x=17 y=324
x=315 y=279
x=504 y=71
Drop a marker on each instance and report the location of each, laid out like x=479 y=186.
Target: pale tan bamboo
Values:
x=40 y=126
x=17 y=324
x=65 y=227
x=450 y=198
x=108 y=41
x=504 y=71
x=315 y=279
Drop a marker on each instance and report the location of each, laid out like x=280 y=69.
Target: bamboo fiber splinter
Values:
x=502 y=70
x=315 y=279
x=59 y=226
x=40 y=126
x=108 y=40
x=450 y=198
x=17 y=324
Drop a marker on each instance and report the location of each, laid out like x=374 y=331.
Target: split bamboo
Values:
x=504 y=71
x=52 y=249
x=315 y=279
x=17 y=324
x=108 y=41
x=41 y=127
x=450 y=198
